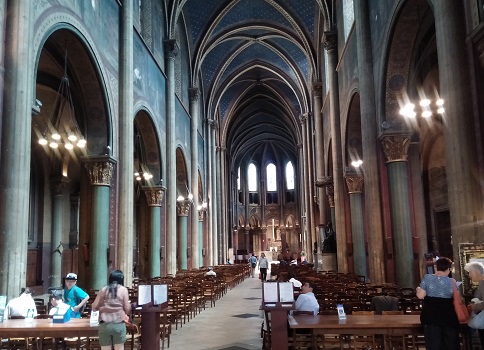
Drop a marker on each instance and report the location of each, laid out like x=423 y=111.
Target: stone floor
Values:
x=233 y=324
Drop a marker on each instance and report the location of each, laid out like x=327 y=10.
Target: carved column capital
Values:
x=182 y=208
x=303 y=118
x=317 y=89
x=171 y=48
x=58 y=184
x=100 y=170
x=194 y=93
x=355 y=183
x=395 y=147
x=154 y=195
x=330 y=194
x=330 y=40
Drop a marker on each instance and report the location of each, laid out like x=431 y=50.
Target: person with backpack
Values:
x=74 y=296
x=253 y=264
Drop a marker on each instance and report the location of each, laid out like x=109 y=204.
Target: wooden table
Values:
x=393 y=325
x=45 y=328
x=359 y=324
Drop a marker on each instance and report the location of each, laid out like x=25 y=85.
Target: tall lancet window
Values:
x=271 y=174
x=252 y=181
x=290 y=195
x=240 y=193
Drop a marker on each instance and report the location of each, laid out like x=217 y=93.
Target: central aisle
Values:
x=233 y=324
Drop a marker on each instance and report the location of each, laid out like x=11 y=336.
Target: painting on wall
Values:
x=469 y=252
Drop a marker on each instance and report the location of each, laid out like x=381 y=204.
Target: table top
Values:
x=355 y=321
x=45 y=327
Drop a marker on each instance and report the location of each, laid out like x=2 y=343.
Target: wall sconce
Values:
x=356 y=163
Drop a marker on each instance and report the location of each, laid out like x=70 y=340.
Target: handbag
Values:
x=460 y=308
x=477 y=320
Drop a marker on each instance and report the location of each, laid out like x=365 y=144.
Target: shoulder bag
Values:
x=460 y=308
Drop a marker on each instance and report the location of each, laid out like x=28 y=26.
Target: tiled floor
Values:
x=233 y=324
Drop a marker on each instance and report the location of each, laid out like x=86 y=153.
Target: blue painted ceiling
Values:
x=256 y=61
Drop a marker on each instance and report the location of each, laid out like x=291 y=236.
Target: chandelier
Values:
x=142 y=172
x=426 y=108
x=62 y=128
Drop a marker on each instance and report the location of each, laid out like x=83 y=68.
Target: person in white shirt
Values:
x=21 y=305
x=306 y=301
x=210 y=272
x=58 y=305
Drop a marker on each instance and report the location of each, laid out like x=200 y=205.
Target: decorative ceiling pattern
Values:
x=256 y=61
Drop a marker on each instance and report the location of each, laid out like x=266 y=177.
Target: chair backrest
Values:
x=302 y=313
x=393 y=312
x=359 y=312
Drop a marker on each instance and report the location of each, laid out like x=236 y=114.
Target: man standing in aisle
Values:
x=253 y=264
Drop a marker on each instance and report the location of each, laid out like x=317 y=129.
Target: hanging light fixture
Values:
x=142 y=172
x=62 y=128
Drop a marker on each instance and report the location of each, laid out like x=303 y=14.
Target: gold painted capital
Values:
x=355 y=183
x=182 y=208
x=100 y=170
x=395 y=147
x=154 y=195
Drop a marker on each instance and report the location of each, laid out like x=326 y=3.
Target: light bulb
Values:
x=439 y=102
x=81 y=143
x=56 y=136
x=180 y=198
x=68 y=146
x=53 y=145
x=190 y=196
x=426 y=114
x=425 y=103
x=136 y=174
x=72 y=138
x=441 y=110
x=42 y=141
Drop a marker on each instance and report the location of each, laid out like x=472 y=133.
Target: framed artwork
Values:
x=469 y=252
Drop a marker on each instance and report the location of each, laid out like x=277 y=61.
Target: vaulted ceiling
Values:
x=255 y=62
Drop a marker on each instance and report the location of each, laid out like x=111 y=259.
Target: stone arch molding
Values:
x=56 y=21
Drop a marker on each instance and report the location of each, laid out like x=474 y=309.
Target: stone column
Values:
x=247 y=240
x=372 y=194
x=310 y=189
x=224 y=188
x=418 y=206
x=220 y=209
x=465 y=202
x=331 y=45
x=214 y=204
x=263 y=238
x=355 y=191
x=306 y=182
x=319 y=144
x=195 y=241
x=210 y=193
x=201 y=213
x=58 y=185
x=100 y=172
x=395 y=148
x=126 y=146
x=171 y=51
x=182 y=208
x=154 y=198
x=74 y=222
x=16 y=145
